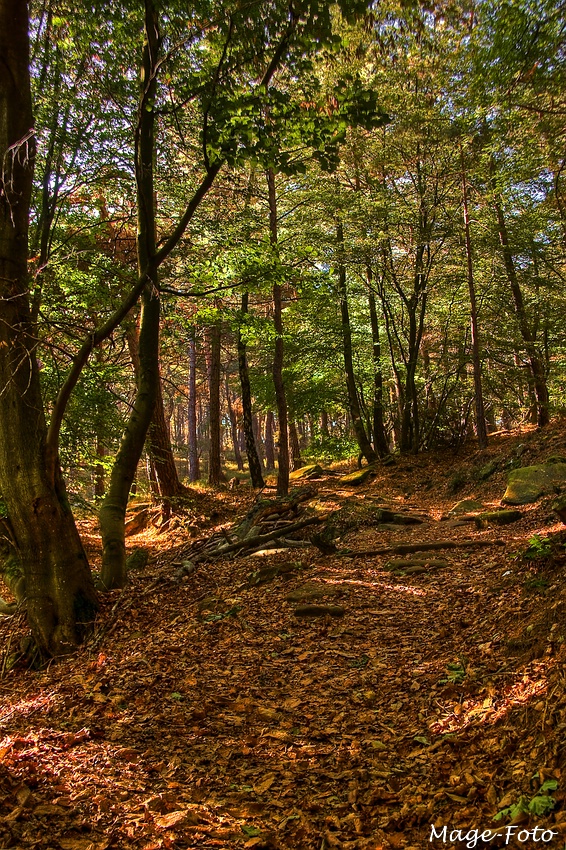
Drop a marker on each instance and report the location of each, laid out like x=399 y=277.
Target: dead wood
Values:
x=404 y=548
x=273 y=507
x=259 y=539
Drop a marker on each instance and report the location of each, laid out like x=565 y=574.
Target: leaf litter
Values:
x=205 y=714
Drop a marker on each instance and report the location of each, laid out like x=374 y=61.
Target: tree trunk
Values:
x=194 y=471
x=233 y=427
x=159 y=447
x=536 y=362
x=380 y=441
x=481 y=429
x=269 y=443
x=99 y=476
x=61 y=600
x=254 y=462
x=364 y=444
x=113 y=510
x=278 y=358
x=215 y=474
x=295 y=446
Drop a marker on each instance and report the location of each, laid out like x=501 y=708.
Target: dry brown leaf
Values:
x=178 y=818
x=265 y=784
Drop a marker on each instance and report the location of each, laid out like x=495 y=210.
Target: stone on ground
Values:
x=353 y=479
x=488 y=518
x=529 y=483
x=465 y=506
x=313 y=470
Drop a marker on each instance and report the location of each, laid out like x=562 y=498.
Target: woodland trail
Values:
x=206 y=714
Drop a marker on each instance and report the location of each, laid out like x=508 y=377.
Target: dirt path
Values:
x=208 y=715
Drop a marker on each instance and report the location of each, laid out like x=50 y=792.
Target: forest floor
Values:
x=204 y=713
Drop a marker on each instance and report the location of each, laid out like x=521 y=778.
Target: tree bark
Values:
x=269 y=442
x=278 y=358
x=254 y=462
x=233 y=427
x=215 y=474
x=380 y=441
x=194 y=471
x=536 y=362
x=295 y=445
x=481 y=429
x=61 y=600
x=159 y=447
x=364 y=444
x=113 y=510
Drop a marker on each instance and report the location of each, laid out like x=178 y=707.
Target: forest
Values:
x=280 y=283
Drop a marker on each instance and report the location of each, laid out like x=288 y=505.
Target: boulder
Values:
x=529 y=483
x=465 y=506
x=488 y=470
x=353 y=479
x=313 y=470
x=497 y=518
x=559 y=507
x=138 y=560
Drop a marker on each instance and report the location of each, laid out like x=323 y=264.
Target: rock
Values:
x=487 y=471
x=137 y=523
x=529 y=483
x=497 y=518
x=318 y=611
x=314 y=470
x=415 y=565
x=383 y=515
x=137 y=560
x=311 y=591
x=465 y=506
x=559 y=507
x=353 y=479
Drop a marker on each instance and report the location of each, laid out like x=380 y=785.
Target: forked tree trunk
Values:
x=61 y=600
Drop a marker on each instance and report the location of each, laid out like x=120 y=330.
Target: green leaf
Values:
x=540 y=805
x=250 y=831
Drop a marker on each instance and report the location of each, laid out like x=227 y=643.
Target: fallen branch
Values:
x=405 y=548
x=258 y=541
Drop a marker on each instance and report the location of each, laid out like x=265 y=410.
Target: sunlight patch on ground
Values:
x=25 y=707
x=459 y=716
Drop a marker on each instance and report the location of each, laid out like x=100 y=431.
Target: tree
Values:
x=61 y=600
